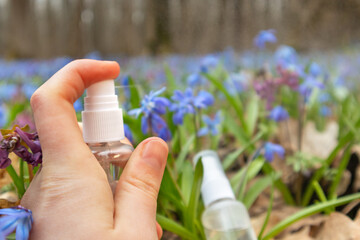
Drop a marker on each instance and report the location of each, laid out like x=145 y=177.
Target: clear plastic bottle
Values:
x=103 y=129
x=224 y=218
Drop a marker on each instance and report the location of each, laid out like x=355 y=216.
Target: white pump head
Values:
x=215 y=185
x=102 y=118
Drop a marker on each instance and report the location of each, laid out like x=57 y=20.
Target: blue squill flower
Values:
x=78 y=105
x=279 y=114
x=325 y=111
x=128 y=133
x=151 y=104
x=151 y=107
x=307 y=87
x=19 y=219
x=270 y=149
x=195 y=79
x=208 y=62
x=3 y=116
x=126 y=82
x=315 y=70
x=236 y=83
x=28 y=90
x=211 y=125
x=285 y=55
x=186 y=103
x=263 y=37
x=7 y=91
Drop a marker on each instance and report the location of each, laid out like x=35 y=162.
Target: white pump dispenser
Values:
x=224 y=218
x=103 y=128
x=102 y=118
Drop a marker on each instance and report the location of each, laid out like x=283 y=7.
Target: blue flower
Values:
x=151 y=107
x=152 y=104
x=263 y=37
x=211 y=125
x=236 y=83
x=126 y=82
x=7 y=91
x=325 y=111
x=78 y=105
x=208 y=62
x=19 y=219
x=279 y=114
x=315 y=70
x=194 y=79
x=128 y=133
x=271 y=149
x=186 y=103
x=285 y=55
x=28 y=90
x=306 y=88
x=3 y=116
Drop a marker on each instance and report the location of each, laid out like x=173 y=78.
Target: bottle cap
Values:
x=215 y=184
x=102 y=118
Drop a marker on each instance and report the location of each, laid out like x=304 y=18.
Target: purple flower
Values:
x=279 y=114
x=19 y=142
x=263 y=37
x=267 y=90
x=211 y=125
x=270 y=149
x=186 y=103
x=19 y=219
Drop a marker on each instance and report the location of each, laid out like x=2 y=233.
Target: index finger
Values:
x=52 y=104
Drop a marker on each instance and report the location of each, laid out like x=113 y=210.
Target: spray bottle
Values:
x=103 y=129
x=224 y=218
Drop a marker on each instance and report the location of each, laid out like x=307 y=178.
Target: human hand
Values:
x=70 y=196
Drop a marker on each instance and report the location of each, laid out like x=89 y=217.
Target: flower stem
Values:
x=31 y=173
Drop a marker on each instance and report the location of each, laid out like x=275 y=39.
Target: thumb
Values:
x=138 y=187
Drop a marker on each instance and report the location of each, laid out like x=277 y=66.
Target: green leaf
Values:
x=171 y=81
x=253 y=169
x=258 y=187
x=252 y=113
x=235 y=102
x=184 y=152
x=232 y=126
x=134 y=94
x=17 y=181
x=311 y=210
x=191 y=213
x=231 y=158
x=187 y=179
x=174 y=227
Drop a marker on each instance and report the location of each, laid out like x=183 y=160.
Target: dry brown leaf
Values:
x=339 y=227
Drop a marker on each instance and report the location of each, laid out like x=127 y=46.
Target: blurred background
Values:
x=47 y=29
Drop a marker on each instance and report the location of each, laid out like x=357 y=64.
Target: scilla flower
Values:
x=263 y=37
x=19 y=219
x=186 y=103
x=211 y=125
x=151 y=107
x=270 y=149
x=208 y=62
x=279 y=114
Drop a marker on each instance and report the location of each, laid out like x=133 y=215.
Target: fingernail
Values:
x=155 y=151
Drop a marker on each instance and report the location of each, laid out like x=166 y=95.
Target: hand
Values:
x=70 y=197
